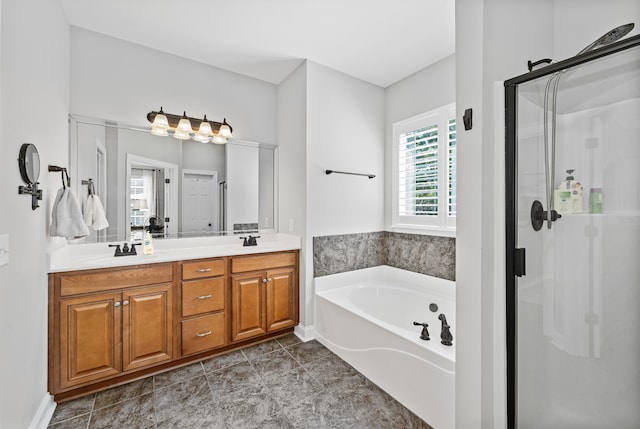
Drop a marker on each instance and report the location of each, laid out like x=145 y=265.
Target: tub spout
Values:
x=424 y=335
x=445 y=334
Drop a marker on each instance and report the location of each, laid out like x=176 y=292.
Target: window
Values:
x=424 y=172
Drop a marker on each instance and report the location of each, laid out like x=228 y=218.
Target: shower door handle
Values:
x=519 y=262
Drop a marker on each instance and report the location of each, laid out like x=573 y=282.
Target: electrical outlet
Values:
x=291 y=225
x=4 y=249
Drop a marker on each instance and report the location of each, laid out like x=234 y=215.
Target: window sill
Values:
x=422 y=230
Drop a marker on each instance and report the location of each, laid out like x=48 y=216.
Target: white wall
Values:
x=242 y=185
x=576 y=26
x=328 y=120
x=345 y=132
x=425 y=90
x=291 y=159
x=35 y=73
x=121 y=81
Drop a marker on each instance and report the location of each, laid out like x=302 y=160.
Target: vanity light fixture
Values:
x=184 y=127
x=225 y=129
x=160 y=125
x=204 y=131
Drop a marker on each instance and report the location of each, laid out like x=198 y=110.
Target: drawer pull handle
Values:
x=203 y=270
x=204 y=296
x=203 y=334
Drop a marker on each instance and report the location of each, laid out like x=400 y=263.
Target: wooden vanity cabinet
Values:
x=108 y=322
x=264 y=294
x=203 y=299
x=113 y=325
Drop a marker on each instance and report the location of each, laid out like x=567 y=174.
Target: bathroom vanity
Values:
x=127 y=317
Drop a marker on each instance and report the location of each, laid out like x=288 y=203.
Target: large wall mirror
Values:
x=172 y=188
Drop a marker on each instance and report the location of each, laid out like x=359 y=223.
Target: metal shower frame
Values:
x=515 y=262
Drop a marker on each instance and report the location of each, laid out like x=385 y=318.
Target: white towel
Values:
x=66 y=219
x=94 y=215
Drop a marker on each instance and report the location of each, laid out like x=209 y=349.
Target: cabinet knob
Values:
x=264 y=280
x=203 y=334
x=204 y=296
x=203 y=270
x=116 y=304
x=269 y=279
x=125 y=302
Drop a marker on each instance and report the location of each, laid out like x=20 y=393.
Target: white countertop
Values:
x=74 y=257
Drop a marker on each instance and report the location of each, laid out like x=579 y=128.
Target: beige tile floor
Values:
x=282 y=383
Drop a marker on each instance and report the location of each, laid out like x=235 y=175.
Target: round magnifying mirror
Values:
x=29 y=162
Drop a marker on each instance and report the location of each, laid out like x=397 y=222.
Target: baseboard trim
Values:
x=305 y=333
x=45 y=411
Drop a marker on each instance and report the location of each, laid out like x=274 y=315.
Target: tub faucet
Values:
x=445 y=334
x=424 y=335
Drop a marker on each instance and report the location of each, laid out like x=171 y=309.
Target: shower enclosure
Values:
x=573 y=245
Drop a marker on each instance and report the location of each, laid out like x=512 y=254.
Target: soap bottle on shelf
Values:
x=562 y=195
x=595 y=200
x=567 y=198
x=147 y=244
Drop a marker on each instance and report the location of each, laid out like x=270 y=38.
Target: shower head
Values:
x=610 y=37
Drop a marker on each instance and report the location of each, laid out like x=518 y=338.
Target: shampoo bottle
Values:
x=147 y=244
x=562 y=195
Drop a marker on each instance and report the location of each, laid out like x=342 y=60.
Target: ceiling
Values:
x=378 y=41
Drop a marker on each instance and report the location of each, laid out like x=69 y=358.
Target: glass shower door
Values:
x=576 y=351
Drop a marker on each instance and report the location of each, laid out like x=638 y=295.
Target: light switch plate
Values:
x=4 y=249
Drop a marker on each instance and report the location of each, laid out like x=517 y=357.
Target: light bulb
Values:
x=204 y=132
x=160 y=124
x=184 y=128
x=225 y=130
x=218 y=139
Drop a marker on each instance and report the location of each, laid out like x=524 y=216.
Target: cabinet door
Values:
x=89 y=338
x=281 y=299
x=147 y=326
x=247 y=306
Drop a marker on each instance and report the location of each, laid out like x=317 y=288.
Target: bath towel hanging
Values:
x=94 y=215
x=66 y=218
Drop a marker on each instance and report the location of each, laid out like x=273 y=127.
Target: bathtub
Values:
x=366 y=317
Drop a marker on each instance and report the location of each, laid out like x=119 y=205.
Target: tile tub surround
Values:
x=281 y=383
x=424 y=254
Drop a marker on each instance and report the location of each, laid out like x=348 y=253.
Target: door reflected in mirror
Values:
x=172 y=188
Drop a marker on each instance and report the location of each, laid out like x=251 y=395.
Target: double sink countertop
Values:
x=74 y=257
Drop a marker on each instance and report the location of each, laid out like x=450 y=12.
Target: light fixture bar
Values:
x=195 y=122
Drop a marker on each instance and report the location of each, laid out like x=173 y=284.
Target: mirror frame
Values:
x=29 y=166
x=27 y=158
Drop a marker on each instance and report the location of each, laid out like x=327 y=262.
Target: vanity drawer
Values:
x=263 y=262
x=203 y=333
x=200 y=269
x=202 y=296
x=117 y=278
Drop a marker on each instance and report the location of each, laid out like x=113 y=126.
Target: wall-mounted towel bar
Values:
x=370 y=176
